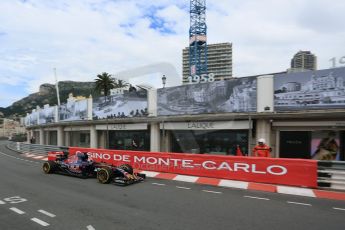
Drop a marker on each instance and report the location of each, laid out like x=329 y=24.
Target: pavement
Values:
x=30 y=199
x=297 y=191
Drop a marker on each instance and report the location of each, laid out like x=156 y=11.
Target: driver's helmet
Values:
x=82 y=156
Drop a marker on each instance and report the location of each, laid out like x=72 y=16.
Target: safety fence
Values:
x=331 y=174
x=23 y=147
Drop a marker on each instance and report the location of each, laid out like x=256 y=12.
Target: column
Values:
x=60 y=136
x=263 y=130
x=28 y=136
x=265 y=92
x=41 y=141
x=154 y=137
x=93 y=137
x=68 y=138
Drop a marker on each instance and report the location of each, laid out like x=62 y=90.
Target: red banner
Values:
x=296 y=172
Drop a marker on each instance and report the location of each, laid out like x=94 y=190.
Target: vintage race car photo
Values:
x=80 y=165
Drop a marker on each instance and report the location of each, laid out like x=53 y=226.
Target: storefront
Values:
x=319 y=140
x=208 y=137
x=126 y=136
x=77 y=136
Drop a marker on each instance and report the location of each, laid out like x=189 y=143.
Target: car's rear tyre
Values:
x=49 y=167
x=128 y=168
x=105 y=175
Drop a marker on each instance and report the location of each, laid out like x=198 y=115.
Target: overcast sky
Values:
x=83 y=38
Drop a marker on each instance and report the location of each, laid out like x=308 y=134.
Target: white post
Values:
x=57 y=87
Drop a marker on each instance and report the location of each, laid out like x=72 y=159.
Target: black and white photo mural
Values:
x=73 y=110
x=235 y=95
x=310 y=90
x=127 y=104
x=47 y=115
x=32 y=119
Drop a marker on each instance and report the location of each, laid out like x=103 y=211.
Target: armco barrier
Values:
x=34 y=148
x=294 y=172
x=331 y=174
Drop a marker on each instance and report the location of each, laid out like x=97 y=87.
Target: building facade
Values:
x=297 y=115
x=303 y=60
x=219 y=61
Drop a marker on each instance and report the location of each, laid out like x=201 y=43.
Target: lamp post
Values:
x=164 y=79
x=57 y=87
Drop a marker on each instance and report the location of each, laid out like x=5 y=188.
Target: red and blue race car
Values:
x=81 y=166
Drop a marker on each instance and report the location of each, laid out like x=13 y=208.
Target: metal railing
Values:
x=34 y=148
x=331 y=174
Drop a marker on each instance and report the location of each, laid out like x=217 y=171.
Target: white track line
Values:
x=1 y=202
x=183 y=187
x=211 y=191
x=290 y=202
x=47 y=213
x=254 y=197
x=341 y=209
x=89 y=227
x=159 y=184
x=40 y=222
x=18 y=211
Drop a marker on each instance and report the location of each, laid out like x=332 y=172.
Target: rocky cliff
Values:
x=47 y=95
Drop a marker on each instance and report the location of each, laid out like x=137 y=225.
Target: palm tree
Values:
x=121 y=83
x=104 y=83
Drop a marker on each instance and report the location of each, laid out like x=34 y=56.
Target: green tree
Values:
x=121 y=84
x=104 y=83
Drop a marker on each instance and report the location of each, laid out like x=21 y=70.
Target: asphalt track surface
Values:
x=30 y=199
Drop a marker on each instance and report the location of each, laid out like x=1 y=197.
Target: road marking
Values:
x=211 y=191
x=295 y=191
x=290 y=202
x=40 y=222
x=158 y=184
x=1 y=202
x=254 y=197
x=234 y=184
x=341 y=209
x=183 y=187
x=18 y=211
x=184 y=178
x=150 y=174
x=89 y=227
x=47 y=213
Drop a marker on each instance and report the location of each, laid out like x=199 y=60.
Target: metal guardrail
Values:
x=34 y=148
x=331 y=174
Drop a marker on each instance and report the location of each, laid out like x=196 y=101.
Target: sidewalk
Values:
x=316 y=193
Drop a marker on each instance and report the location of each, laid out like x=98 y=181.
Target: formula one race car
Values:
x=81 y=166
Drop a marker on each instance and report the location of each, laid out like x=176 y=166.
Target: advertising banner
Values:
x=320 y=89
x=293 y=172
x=235 y=95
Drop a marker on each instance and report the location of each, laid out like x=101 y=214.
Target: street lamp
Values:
x=164 y=79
